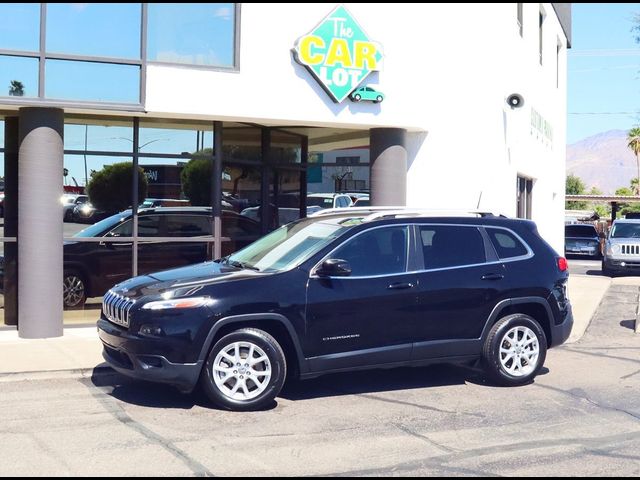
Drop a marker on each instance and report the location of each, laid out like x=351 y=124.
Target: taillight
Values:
x=563 y=265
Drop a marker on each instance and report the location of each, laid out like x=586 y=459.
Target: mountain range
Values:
x=603 y=161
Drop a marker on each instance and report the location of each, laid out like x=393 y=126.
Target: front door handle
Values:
x=493 y=276
x=400 y=286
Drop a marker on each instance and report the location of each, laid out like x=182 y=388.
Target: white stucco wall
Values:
x=447 y=72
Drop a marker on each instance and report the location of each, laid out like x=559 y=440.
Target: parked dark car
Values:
x=91 y=268
x=343 y=291
x=582 y=239
x=69 y=204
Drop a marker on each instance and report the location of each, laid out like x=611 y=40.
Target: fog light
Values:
x=623 y=264
x=151 y=330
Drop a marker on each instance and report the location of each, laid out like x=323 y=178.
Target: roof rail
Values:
x=377 y=213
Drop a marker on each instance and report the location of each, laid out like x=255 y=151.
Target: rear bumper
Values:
x=560 y=333
x=118 y=353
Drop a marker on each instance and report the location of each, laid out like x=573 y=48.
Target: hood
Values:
x=192 y=276
x=626 y=241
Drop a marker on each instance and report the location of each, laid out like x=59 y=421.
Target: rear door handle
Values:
x=493 y=276
x=400 y=286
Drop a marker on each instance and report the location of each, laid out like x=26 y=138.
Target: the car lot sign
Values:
x=339 y=54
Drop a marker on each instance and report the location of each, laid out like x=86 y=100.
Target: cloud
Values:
x=223 y=12
x=79 y=7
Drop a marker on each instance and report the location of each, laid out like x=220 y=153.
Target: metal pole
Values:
x=134 y=198
x=216 y=189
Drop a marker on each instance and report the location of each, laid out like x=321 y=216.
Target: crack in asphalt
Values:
x=587 y=444
x=424 y=438
x=630 y=375
x=592 y=402
x=112 y=407
x=600 y=355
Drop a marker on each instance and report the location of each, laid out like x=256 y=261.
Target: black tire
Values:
x=276 y=359
x=357 y=98
x=491 y=356
x=378 y=98
x=74 y=286
x=606 y=271
x=68 y=216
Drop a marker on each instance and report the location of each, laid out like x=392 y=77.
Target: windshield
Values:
x=580 y=231
x=323 y=202
x=291 y=244
x=626 y=230
x=102 y=226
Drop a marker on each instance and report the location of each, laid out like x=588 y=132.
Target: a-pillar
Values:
x=388 y=170
x=40 y=267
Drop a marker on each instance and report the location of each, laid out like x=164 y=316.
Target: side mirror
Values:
x=334 y=267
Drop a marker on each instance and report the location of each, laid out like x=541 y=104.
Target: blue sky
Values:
x=603 y=70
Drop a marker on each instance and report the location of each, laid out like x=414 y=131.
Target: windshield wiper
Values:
x=238 y=264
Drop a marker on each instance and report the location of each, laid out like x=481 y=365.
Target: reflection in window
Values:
x=89 y=81
x=94 y=29
x=190 y=33
x=18 y=76
x=116 y=136
x=164 y=181
x=381 y=251
x=177 y=139
x=20 y=26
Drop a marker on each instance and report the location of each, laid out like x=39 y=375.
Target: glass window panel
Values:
x=285 y=197
x=82 y=212
x=285 y=148
x=242 y=143
x=164 y=184
x=18 y=76
x=89 y=81
x=176 y=138
x=506 y=244
x=110 y=136
x=20 y=26
x=94 y=29
x=445 y=246
x=378 y=252
x=184 y=225
x=190 y=33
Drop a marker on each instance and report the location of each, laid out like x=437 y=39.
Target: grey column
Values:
x=41 y=160
x=388 y=170
x=10 y=213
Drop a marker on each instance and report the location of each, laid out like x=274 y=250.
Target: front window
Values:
x=382 y=251
x=98 y=229
x=626 y=230
x=290 y=245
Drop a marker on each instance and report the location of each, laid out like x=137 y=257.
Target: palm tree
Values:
x=16 y=89
x=633 y=142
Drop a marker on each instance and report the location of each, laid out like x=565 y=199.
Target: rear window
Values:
x=580 y=231
x=507 y=245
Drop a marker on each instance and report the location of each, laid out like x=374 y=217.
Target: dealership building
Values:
x=435 y=106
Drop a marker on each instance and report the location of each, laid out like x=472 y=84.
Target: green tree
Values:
x=16 y=89
x=109 y=189
x=196 y=181
x=633 y=142
x=575 y=186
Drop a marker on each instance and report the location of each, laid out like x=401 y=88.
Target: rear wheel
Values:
x=515 y=350
x=74 y=289
x=245 y=370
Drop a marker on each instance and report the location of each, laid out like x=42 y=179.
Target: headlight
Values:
x=86 y=209
x=178 y=303
x=612 y=249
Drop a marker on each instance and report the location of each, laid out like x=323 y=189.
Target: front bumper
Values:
x=125 y=353
x=560 y=333
x=619 y=263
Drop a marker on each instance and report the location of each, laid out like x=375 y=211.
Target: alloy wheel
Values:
x=241 y=371
x=73 y=290
x=519 y=351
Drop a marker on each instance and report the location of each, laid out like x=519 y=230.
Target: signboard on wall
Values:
x=339 y=54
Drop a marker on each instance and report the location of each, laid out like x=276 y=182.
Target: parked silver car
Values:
x=622 y=248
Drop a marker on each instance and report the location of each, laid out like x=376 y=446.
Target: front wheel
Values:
x=245 y=370
x=357 y=98
x=515 y=350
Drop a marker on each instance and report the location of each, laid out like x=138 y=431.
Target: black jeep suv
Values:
x=354 y=289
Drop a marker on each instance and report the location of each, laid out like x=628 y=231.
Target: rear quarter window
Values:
x=506 y=244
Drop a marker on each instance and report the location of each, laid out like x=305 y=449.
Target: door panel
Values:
x=368 y=310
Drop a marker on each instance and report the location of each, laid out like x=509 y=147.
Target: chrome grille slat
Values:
x=628 y=249
x=117 y=308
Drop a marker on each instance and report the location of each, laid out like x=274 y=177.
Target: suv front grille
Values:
x=630 y=249
x=116 y=308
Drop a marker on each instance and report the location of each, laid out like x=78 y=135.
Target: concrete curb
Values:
x=98 y=371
